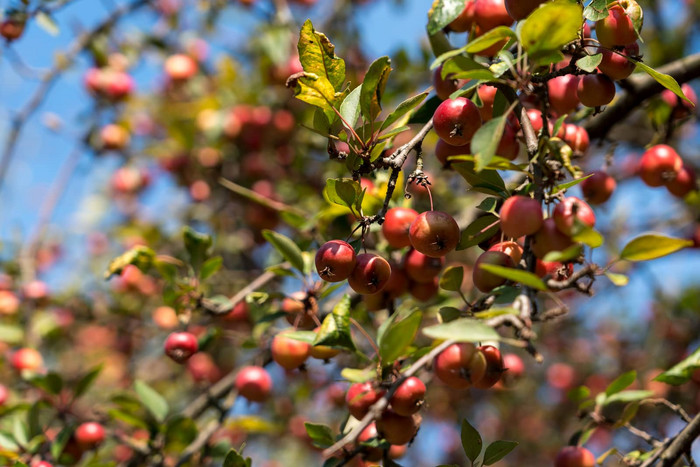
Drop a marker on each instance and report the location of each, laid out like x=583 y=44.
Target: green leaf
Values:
x=452 y=278
x=596 y=10
x=479 y=230
x=574 y=251
x=321 y=435
x=335 y=329
x=619 y=280
x=578 y=394
x=179 y=433
x=628 y=414
x=403 y=108
x=61 y=440
x=449 y=313
x=681 y=372
x=588 y=236
x=86 y=381
x=664 y=80
x=140 y=256
x=211 y=267
x=550 y=27
x=588 y=63
x=457 y=63
x=317 y=56
x=373 y=88
x=652 y=246
x=51 y=383
x=343 y=192
x=11 y=334
x=350 y=108
x=486 y=140
x=486 y=181
x=526 y=278
x=496 y=311
x=442 y=13
x=426 y=111
x=286 y=247
x=234 y=459
x=498 y=450
x=154 y=402
x=47 y=23
x=621 y=382
x=567 y=185
x=357 y=376
x=305 y=336
x=197 y=245
x=399 y=336
x=490 y=38
x=471 y=440
x=462 y=330
x=628 y=396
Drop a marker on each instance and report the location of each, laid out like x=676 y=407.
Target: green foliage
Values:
x=652 y=246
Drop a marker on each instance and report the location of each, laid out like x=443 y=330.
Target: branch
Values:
x=681 y=443
x=588 y=270
x=640 y=87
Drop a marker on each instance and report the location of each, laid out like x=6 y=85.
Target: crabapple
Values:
x=596 y=90
x=460 y=366
x=487 y=94
x=615 y=64
x=514 y=368
x=26 y=358
x=444 y=87
x=4 y=394
x=335 y=261
x=512 y=249
x=684 y=183
x=563 y=95
x=434 y=233
x=487 y=281
x=9 y=303
x=114 y=137
x=575 y=456
x=521 y=9
x=520 y=215
x=572 y=214
x=397 y=222
x=444 y=150
x=253 y=383
x=371 y=274
x=180 y=67
x=556 y=270
x=422 y=268
x=659 y=164
x=598 y=188
x=397 y=429
x=289 y=353
x=576 y=137
x=681 y=108
x=180 y=346
x=617 y=29
x=456 y=121
x=11 y=29
x=466 y=19
x=424 y=291
x=549 y=238
x=489 y=14
x=494 y=367
x=408 y=397
x=90 y=434
x=369 y=433
x=360 y=397
x=296 y=314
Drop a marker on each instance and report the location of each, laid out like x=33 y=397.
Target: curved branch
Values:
x=638 y=88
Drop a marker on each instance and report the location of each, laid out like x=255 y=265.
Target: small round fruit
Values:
x=456 y=121
x=397 y=429
x=434 y=233
x=615 y=65
x=575 y=456
x=114 y=137
x=465 y=20
x=563 y=95
x=520 y=215
x=577 y=138
x=617 y=28
x=396 y=225
x=487 y=94
x=549 y=238
x=536 y=119
x=494 y=367
x=521 y=9
x=289 y=353
x=180 y=346
x=421 y=268
x=444 y=87
x=335 y=261
x=11 y=29
x=323 y=352
x=487 y=281
x=572 y=215
x=514 y=369
x=360 y=397
x=90 y=434
x=424 y=291
x=254 y=383
x=659 y=164
x=239 y=313
x=180 y=67
x=371 y=274
x=368 y=434
x=4 y=394
x=26 y=359
x=512 y=249
x=598 y=188
x=556 y=270
x=489 y=14
x=444 y=150
x=408 y=397
x=508 y=147
x=596 y=90
x=460 y=365
x=684 y=183
x=681 y=108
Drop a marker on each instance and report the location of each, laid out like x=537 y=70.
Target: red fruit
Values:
x=617 y=28
x=536 y=119
x=487 y=94
x=456 y=121
x=296 y=311
x=289 y=353
x=681 y=108
x=521 y=9
x=114 y=137
x=370 y=275
x=494 y=367
x=202 y=368
x=360 y=397
x=563 y=96
x=598 y=188
x=508 y=147
x=424 y=291
x=514 y=368
x=43 y=464
x=180 y=346
x=11 y=29
x=26 y=359
x=90 y=434
x=684 y=183
x=444 y=87
x=397 y=429
x=396 y=224
x=572 y=215
x=396 y=451
x=460 y=366
x=659 y=164
x=368 y=434
x=180 y=67
x=434 y=233
x=576 y=137
x=408 y=397
x=549 y=239
x=335 y=261
x=421 y=268
x=465 y=20
x=575 y=456
x=398 y=282
x=117 y=85
x=512 y=249
x=444 y=150
x=9 y=303
x=556 y=270
x=487 y=281
x=596 y=90
x=4 y=394
x=254 y=383
x=615 y=65
x=520 y=215
x=489 y=14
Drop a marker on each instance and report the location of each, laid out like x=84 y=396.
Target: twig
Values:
x=681 y=443
x=675 y=408
x=588 y=270
x=260 y=199
x=258 y=282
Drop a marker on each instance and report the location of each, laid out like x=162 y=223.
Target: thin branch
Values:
x=681 y=443
x=258 y=282
x=260 y=199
